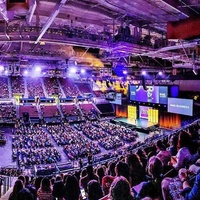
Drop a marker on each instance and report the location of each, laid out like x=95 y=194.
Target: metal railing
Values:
x=5 y=184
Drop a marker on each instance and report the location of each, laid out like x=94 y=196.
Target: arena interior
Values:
x=99 y=93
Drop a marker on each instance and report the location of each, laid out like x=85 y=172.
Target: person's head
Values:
x=71 y=184
x=111 y=168
x=141 y=153
x=160 y=145
x=155 y=167
x=37 y=182
x=94 y=190
x=173 y=140
x=27 y=180
x=120 y=189
x=17 y=186
x=184 y=139
x=133 y=160
x=22 y=178
x=25 y=194
x=122 y=169
x=100 y=171
x=89 y=170
x=45 y=184
x=58 y=178
x=83 y=173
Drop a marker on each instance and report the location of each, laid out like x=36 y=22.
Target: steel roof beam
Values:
x=51 y=19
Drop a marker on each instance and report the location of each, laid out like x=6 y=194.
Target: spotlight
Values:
x=160 y=73
x=144 y=73
x=73 y=70
x=82 y=71
x=1 y=68
x=124 y=72
x=38 y=69
x=25 y=73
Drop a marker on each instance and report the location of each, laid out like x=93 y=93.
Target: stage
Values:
x=142 y=125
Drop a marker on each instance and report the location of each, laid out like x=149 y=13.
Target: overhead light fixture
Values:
x=1 y=68
x=160 y=73
x=144 y=73
x=195 y=70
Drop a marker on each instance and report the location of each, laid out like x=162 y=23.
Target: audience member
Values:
x=45 y=190
x=90 y=176
x=71 y=184
x=94 y=190
x=16 y=189
x=137 y=171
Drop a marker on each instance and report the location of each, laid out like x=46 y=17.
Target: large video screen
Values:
x=114 y=98
x=143 y=112
x=152 y=94
x=173 y=91
x=180 y=106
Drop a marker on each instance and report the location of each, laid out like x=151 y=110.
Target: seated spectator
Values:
x=58 y=188
x=163 y=154
x=173 y=145
x=16 y=189
x=108 y=179
x=90 y=176
x=94 y=190
x=25 y=194
x=122 y=169
x=152 y=187
x=183 y=156
x=190 y=192
x=177 y=187
x=137 y=172
x=120 y=190
x=71 y=184
x=45 y=190
x=100 y=171
x=143 y=157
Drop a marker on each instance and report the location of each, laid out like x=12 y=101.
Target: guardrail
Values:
x=5 y=184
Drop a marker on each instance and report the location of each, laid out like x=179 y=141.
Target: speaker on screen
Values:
x=143 y=83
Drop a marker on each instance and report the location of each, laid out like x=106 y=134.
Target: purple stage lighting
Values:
x=38 y=69
x=82 y=71
x=25 y=73
x=73 y=70
x=125 y=72
x=160 y=73
x=1 y=68
x=144 y=73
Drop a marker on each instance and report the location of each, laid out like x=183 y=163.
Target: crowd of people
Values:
x=49 y=82
x=17 y=85
x=7 y=111
x=124 y=133
x=32 y=145
x=34 y=87
x=4 y=93
x=75 y=144
x=166 y=169
x=109 y=136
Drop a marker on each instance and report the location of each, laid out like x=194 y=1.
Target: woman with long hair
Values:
x=120 y=189
x=94 y=190
x=18 y=186
x=45 y=190
x=71 y=188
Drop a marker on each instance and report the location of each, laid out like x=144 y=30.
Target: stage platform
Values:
x=142 y=125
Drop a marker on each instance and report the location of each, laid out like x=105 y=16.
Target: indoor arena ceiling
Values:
x=63 y=30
